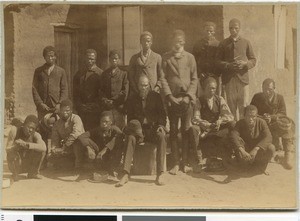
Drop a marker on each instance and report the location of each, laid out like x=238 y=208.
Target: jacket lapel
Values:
x=173 y=65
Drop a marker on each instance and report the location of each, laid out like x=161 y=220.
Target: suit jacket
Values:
x=154 y=110
x=49 y=89
x=86 y=91
x=205 y=54
x=114 y=86
x=151 y=68
x=260 y=137
x=274 y=107
x=230 y=50
x=179 y=75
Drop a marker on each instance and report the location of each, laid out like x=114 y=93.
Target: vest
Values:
x=207 y=114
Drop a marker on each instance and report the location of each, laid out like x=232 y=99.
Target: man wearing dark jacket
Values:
x=251 y=140
x=146 y=114
x=271 y=107
x=49 y=86
x=235 y=58
x=86 y=87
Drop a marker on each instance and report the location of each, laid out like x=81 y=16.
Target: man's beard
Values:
x=144 y=93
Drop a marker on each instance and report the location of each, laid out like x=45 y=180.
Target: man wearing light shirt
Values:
x=25 y=149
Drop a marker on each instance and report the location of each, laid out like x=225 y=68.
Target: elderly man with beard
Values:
x=147 y=121
x=64 y=142
x=179 y=85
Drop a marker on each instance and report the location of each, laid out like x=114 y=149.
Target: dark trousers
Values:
x=262 y=157
x=185 y=120
x=89 y=120
x=25 y=161
x=159 y=139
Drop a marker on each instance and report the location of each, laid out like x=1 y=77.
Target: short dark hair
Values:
x=210 y=23
x=114 y=52
x=145 y=33
x=209 y=80
x=106 y=114
x=48 y=49
x=66 y=103
x=268 y=81
x=250 y=108
x=31 y=119
x=91 y=51
x=235 y=20
x=178 y=33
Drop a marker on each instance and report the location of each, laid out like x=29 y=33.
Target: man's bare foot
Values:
x=187 y=169
x=160 y=181
x=123 y=180
x=174 y=170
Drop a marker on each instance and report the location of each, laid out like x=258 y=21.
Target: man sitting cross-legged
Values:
x=251 y=140
x=147 y=118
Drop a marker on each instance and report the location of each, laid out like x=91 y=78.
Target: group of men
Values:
x=118 y=111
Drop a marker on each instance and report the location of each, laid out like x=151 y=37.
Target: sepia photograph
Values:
x=150 y=106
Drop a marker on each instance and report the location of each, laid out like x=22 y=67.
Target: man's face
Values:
x=65 y=113
x=105 y=123
x=209 y=31
x=90 y=60
x=146 y=42
x=268 y=90
x=210 y=89
x=178 y=42
x=114 y=60
x=250 y=117
x=143 y=87
x=50 y=58
x=234 y=29
x=29 y=129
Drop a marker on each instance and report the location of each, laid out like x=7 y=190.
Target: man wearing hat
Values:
x=235 y=57
x=271 y=107
x=25 y=149
x=251 y=140
x=86 y=86
x=179 y=85
x=147 y=120
x=147 y=63
x=65 y=132
x=103 y=145
x=212 y=119
x=205 y=54
x=49 y=86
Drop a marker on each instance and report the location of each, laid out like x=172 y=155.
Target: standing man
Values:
x=25 y=149
x=235 y=57
x=49 y=86
x=86 y=87
x=205 y=51
x=146 y=114
x=147 y=63
x=271 y=107
x=179 y=84
x=251 y=140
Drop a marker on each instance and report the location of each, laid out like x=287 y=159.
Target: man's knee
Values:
x=271 y=149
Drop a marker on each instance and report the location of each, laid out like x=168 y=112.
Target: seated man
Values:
x=271 y=107
x=251 y=140
x=103 y=144
x=211 y=117
x=25 y=149
x=64 y=135
x=147 y=116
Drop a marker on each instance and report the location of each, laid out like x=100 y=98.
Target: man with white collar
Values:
x=147 y=63
x=235 y=57
x=179 y=82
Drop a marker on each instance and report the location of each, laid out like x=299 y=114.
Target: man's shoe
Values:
x=123 y=180
x=197 y=168
x=160 y=180
x=187 y=169
x=34 y=176
x=288 y=160
x=98 y=178
x=174 y=170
